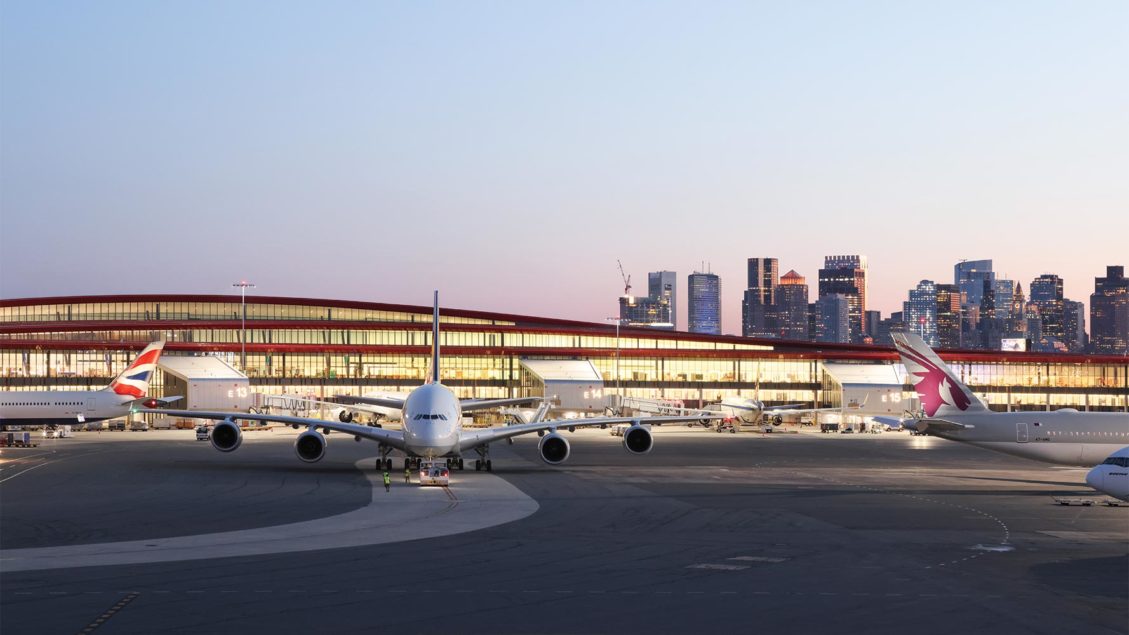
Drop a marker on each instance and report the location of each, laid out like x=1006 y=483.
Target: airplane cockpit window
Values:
x=1119 y=461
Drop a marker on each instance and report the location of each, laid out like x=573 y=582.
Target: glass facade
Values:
x=704 y=308
x=351 y=349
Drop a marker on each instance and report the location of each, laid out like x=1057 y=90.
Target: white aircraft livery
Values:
x=61 y=407
x=1064 y=436
x=1112 y=476
x=432 y=426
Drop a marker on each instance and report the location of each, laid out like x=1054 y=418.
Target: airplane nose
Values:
x=1094 y=478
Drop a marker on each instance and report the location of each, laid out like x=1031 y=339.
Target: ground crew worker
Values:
x=407 y=475
x=387 y=482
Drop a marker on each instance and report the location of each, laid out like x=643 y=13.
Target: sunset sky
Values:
x=508 y=153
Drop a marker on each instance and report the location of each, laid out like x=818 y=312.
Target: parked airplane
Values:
x=390 y=406
x=61 y=407
x=432 y=427
x=733 y=410
x=1064 y=436
x=1112 y=476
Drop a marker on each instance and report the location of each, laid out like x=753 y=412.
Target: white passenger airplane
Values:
x=1112 y=476
x=389 y=406
x=1064 y=436
x=733 y=410
x=61 y=407
x=432 y=427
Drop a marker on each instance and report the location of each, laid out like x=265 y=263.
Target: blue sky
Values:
x=508 y=153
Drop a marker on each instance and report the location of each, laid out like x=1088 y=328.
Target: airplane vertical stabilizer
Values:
x=941 y=393
x=435 y=341
x=134 y=380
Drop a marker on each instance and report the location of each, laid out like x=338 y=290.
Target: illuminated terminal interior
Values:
x=320 y=348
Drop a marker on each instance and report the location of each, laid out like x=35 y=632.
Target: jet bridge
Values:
x=206 y=382
x=869 y=390
x=572 y=387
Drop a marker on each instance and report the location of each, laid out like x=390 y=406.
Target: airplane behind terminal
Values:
x=432 y=426
x=62 y=407
x=1112 y=476
x=1064 y=436
x=733 y=410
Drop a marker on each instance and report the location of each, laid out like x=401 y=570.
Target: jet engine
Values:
x=637 y=440
x=226 y=436
x=346 y=416
x=554 y=448
x=310 y=446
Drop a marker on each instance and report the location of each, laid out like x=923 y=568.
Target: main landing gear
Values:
x=484 y=460
x=383 y=463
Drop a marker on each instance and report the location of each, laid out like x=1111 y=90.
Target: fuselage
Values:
x=61 y=407
x=1112 y=476
x=432 y=420
x=747 y=410
x=1065 y=437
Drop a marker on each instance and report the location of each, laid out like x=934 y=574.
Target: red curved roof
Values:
x=522 y=324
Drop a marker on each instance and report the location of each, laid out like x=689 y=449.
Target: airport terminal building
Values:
x=319 y=348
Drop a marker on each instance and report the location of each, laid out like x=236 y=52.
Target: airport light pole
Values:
x=243 y=284
x=618 y=322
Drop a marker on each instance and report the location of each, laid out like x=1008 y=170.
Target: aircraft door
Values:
x=1021 y=432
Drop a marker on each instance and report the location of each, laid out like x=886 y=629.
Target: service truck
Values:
x=434 y=472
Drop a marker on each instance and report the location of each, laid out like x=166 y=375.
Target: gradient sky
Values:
x=507 y=153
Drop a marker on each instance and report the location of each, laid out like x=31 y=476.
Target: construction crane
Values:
x=626 y=278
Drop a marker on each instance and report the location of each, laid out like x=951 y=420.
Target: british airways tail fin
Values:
x=940 y=391
x=435 y=341
x=134 y=380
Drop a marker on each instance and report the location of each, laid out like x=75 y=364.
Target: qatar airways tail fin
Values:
x=434 y=378
x=941 y=393
x=134 y=380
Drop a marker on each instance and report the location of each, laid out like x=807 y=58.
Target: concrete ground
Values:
x=770 y=533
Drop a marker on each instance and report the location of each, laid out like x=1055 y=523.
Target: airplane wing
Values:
x=157 y=401
x=893 y=423
x=394 y=438
x=474 y=438
x=941 y=425
x=354 y=407
x=383 y=402
x=485 y=404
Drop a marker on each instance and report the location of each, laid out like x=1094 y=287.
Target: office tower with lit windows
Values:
x=663 y=285
x=832 y=322
x=969 y=276
x=846 y=276
x=792 y=307
x=1046 y=294
x=948 y=316
x=921 y=311
x=1074 y=326
x=704 y=307
x=759 y=299
x=870 y=321
x=1109 y=313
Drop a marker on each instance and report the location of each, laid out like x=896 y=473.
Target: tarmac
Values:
x=133 y=532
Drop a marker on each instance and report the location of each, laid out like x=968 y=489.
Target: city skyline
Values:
x=509 y=155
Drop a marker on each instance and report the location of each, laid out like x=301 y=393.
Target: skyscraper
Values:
x=657 y=309
x=1074 y=326
x=948 y=316
x=664 y=285
x=792 y=307
x=704 y=308
x=970 y=275
x=921 y=311
x=832 y=322
x=846 y=275
x=759 y=300
x=1109 y=313
x=1046 y=294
